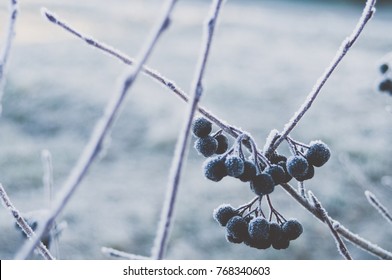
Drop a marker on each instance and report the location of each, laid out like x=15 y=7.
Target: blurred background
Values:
x=265 y=58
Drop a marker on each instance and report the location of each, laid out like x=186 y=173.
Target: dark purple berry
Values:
x=384 y=68
x=258 y=229
x=282 y=243
x=287 y=176
x=214 y=169
x=385 y=85
x=234 y=165
x=201 y=127
x=296 y=165
x=206 y=146
x=318 y=153
x=224 y=213
x=292 y=229
x=249 y=171
x=275 y=232
x=277 y=173
x=237 y=228
x=308 y=175
x=262 y=184
x=233 y=239
x=223 y=144
x=275 y=158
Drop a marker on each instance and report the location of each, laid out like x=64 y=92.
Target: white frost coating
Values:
x=372 y=199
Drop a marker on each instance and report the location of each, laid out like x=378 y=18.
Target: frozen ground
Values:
x=265 y=58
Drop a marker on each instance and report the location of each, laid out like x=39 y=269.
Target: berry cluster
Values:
x=263 y=173
x=254 y=230
x=385 y=84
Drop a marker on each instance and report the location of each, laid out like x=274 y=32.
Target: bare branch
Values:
x=344 y=48
x=23 y=224
x=120 y=254
x=339 y=242
x=379 y=207
x=5 y=52
x=179 y=158
x=102 y=128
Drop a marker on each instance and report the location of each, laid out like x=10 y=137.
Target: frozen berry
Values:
x=275 y=232
x=214 y=169
x=292 y=229
x=259 y=229
x=287 y=176
x=201 y=127
x=296 y=165
x=318 y=153
x=233 y=239
x=234 y=165
x=384 y=68
x=223 y=144
x=282 y=243
x=385 y=85
x=308 y=174
x=262 y=184
x=275 y=158
x=224 y=213
x=249 y=171
x=277 y=173
x=237 y=228
x=206 y=146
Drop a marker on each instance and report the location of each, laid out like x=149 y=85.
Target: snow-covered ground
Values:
x=266 y=56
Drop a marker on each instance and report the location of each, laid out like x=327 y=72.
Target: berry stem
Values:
x=101 y=130
x=23 y=224
x=344 y=48
x=5 y=52
x=339 y=242
x=120 y=254
x=179 y=157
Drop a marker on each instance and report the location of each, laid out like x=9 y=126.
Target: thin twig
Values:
x=101 y=129
x=378 y=206
x=168 y=83
x=350 y=236
x=344 y=48
x=23 y=224
x=179 y=157
x=47 y=180
x=120 y=254
x=339 y=242
x=5 y=52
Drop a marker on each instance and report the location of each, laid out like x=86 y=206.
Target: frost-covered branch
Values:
x=344 y=48
x=378 y=206
x=101 y=129
x=120 y=254
x=179 y=157
x=168 y=83
x=339 y=242
x=5 y=52
x=347 y=234
x=21 y=222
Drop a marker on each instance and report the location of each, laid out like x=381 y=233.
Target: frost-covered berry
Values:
x=249 y=171
x=384 y=68
x=308 y=174
x=385 y=85
x=214 y=169
x=233 y=239
x=237 y=228
x=206 y=146
x=223 y=144
x=223 y=213
x=258 y=229
x=292 y=229
x=282 y=243
x=262 y=184
x=234 y=165
x=275 y=232
x=318 y=153
x=287 y=176
x=296 y=165
x=275 y=158
x=277 y=173
x=201 y=127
